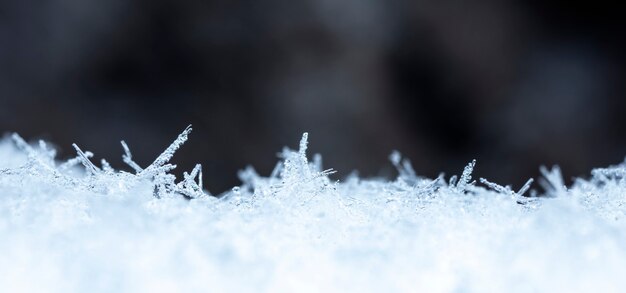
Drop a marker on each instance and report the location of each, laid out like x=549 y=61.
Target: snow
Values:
x=73 y=226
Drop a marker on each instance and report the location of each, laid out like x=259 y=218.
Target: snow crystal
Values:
x=75 y=226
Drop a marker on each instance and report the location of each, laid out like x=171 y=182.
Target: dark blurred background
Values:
x=514 y=84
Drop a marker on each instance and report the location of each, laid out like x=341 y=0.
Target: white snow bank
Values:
x=94 y=229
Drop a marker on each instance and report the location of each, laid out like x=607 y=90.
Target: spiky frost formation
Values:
x=75 y=226
x=41 y=162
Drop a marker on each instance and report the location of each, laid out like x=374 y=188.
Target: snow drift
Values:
x=79 y=226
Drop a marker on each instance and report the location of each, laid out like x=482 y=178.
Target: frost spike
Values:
x=89 y=166
x=192 y=176
x=188 y=187
x=157 y=170
x=49 y=152
x=276 y=171
x=552 y=181
x=497 y=187
x=200 y=178
x=466 y=176
x=73 y=162
x=395 y=158
x=327 y=172
x=23 y=145
x=404 y=167
x=525 y=187
x=169 y=152
x=128 y=158
x=317 y=162
x=106 y=167
x=32 y=154
x=304 y=142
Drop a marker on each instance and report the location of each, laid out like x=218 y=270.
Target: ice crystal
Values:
x=464 y=181
x=78 y=226
x=42 y=163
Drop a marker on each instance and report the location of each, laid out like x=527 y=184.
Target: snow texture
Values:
x=75 y=226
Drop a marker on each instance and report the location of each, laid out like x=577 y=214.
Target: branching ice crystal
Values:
x=42 y=162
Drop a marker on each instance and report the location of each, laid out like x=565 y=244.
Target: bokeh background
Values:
x=514 y=84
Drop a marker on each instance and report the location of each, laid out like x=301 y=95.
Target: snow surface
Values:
x=67 y=228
